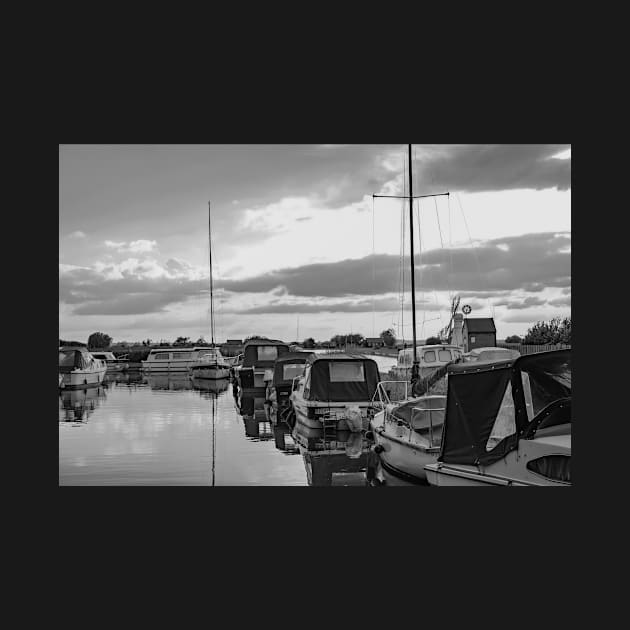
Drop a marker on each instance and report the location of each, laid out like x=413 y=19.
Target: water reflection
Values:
x=213 y=386
x=76 y=405
x=174 y=382
x=255 y=415
x=332 y=457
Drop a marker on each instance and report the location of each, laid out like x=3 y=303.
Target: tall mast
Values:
x=211 y=296
x=414 y=369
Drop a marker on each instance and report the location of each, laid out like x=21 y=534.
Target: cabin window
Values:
x=444 y=355
x=429 y=356
x=505 y=423
x=291 y=370
x=473 y=338
x=66 y=359
x=161 y=356
x=267 y=353
x=345 y=372
x=182 y=355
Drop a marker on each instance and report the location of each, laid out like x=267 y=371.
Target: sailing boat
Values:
x=408 y=427
x=211 y=364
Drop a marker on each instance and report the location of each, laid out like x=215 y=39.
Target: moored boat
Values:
x=407 y=432
x=79 y=369
x=259 y=357
x=507 y=423
x=285 y=369
x=210 y=365
x=172 y=359
x=335 y=391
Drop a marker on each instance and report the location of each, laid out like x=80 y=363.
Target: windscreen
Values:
x=291 y=370
x=350 y=372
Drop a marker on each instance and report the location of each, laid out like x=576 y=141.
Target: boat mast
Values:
x=414 y=369
x=211 y=296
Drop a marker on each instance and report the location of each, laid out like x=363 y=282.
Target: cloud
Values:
x=389 y=304
x=534 y=261
x=76 y=234
x=565 y=301
x=486 y=167
x=131 y=287
x=134 y=247
x=518 y=304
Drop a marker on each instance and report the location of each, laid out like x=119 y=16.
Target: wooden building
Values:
x=479 y=332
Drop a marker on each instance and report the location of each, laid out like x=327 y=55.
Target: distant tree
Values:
x=182 y=341
x=201 y=341
x=555 y=330
x=99 y=340
x=308 y=343
x=433 y=341
x=63 y=342
x=388 y=337
x=513 y=339
x=254 y=337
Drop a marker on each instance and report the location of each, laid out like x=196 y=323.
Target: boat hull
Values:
x=341 y=424
x=404 y=458
x=80 y=379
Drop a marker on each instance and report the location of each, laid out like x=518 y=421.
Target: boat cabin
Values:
x=259 y=357
x=491 y=405
x=286 y=368
x=74 y=358
x=340 y=378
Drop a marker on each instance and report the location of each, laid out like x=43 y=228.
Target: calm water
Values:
x=141 y=429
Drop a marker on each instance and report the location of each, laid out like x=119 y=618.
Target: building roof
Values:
x=480 y=325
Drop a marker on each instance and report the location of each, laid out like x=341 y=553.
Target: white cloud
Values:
x=76 y=234
x=134 y=247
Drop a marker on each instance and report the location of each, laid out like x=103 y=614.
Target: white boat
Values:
x=210 y=364
x=507 y=423
x=79 y=369
x=113 y=364
x=407 y=432
x=335 y=391
x=172 y=359
x=430 y=358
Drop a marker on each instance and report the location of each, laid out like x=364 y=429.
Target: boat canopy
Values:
x=288 y=366
x=341 y=378
x=263 y=352
x=73 y=357
x=492 y=404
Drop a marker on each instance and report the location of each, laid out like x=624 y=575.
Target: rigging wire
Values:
x=373 y=269
x=491 y=306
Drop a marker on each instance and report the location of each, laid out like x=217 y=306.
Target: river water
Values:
x=140 y=429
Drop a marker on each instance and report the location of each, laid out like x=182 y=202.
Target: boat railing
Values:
x=383 y=393
x=427 y=410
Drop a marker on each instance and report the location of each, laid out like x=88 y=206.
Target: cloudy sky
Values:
x=300 y=246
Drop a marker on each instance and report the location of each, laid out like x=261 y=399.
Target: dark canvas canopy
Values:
x=282 y=373
x=71 y=358
x=476 y=392
x=341 y=378
x=263 y=352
